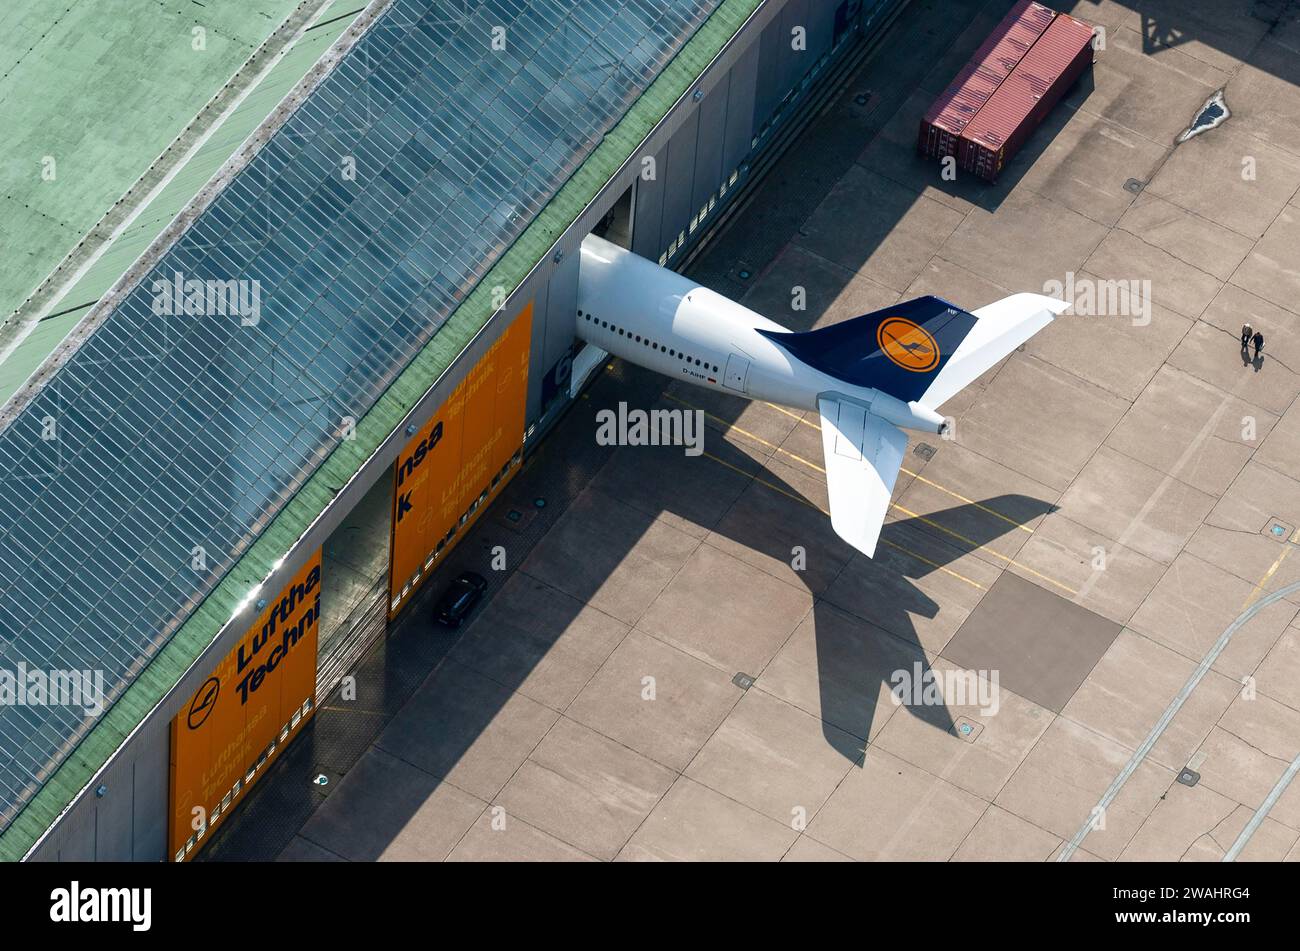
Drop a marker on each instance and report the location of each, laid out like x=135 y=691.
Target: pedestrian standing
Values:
x=1258 y=340
x=1247 y=331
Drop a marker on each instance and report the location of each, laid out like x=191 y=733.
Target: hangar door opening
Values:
x=354 y=593
x=616 y=225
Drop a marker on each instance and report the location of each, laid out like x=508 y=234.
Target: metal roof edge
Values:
x=221 y=608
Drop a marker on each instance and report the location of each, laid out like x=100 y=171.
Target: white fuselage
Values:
x=655 y=318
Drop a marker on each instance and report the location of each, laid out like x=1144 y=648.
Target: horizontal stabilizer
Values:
x=1000 y=328
x=863 y=455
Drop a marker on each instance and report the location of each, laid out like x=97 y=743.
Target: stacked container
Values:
x=1005 y=47
x=1010 y=115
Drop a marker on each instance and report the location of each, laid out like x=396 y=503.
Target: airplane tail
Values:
x=924 y=350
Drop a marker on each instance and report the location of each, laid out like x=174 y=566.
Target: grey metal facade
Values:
x=700 y=152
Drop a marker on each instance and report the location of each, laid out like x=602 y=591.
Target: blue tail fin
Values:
x=898 y=350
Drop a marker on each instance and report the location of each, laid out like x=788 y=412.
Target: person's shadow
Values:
x=1247 y=361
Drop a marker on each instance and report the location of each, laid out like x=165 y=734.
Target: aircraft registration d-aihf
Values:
x=866 y=376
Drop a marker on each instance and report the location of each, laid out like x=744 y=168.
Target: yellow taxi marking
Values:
x=800 y=498
x=1277 y=563
x=908 y=512
x=920 y=478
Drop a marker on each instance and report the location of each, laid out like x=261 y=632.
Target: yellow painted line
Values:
x=1277 y=563
x=918 y=477
x=800 y=498
x=968 y=541
x=744 y=432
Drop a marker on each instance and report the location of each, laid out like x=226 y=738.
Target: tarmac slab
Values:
x=1193 y=604
x=1153 y=95
x=1022 y=421
x=585 y=789
x=841 y=231
x=918 y=587
x=539 y=641
x=387 y=809
x=502 y=838
x=1119 y=352
x=1106 y=577
x=1192 y=431
x=694 y=823
x=838 y=668
x=1131 y=687
x=928 y=735
x=656 y=699
x=1042 y=645
x=1001 y=836
x=1213 y=355
x=483 y=730
x=1198 y=242
x=1269 y=270
x=586 y=556
x=738 y=635
x=1063 y=778
x=1083 y=166
x=1139 y=506
x=772 y=757
x=1205 y=176
x=890 y=810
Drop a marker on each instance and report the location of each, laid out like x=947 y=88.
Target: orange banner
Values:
x=451 y=469
x=244 y=714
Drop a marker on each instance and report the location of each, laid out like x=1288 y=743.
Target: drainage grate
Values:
x=924 y=450
x=1279 y=530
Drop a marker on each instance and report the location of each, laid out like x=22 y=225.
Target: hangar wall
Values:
x=699 y=156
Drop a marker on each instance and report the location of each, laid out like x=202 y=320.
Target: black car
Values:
x=459 y=599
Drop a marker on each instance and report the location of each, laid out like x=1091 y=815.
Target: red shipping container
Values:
x=1024 y=99
x=997 y=56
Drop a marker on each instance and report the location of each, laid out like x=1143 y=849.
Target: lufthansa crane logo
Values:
x=204 y=702
x=907 y=344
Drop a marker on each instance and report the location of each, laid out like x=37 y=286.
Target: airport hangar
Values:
x=238 y=501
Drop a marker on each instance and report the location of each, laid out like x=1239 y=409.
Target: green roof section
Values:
x=150 y=82
x=183 y=650
x=105 y=137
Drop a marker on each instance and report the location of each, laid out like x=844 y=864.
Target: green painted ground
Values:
x=102 y=87
x=39 y=243
x=171 y=663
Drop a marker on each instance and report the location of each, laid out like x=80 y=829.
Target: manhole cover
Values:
x=743 y=681
x=1134 y=186
x=966 y=729
x=924 y=450
x=1189 y=777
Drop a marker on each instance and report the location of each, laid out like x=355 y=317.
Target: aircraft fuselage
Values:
x=655 y=318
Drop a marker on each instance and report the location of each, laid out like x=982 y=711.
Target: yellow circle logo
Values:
x=907 y=344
